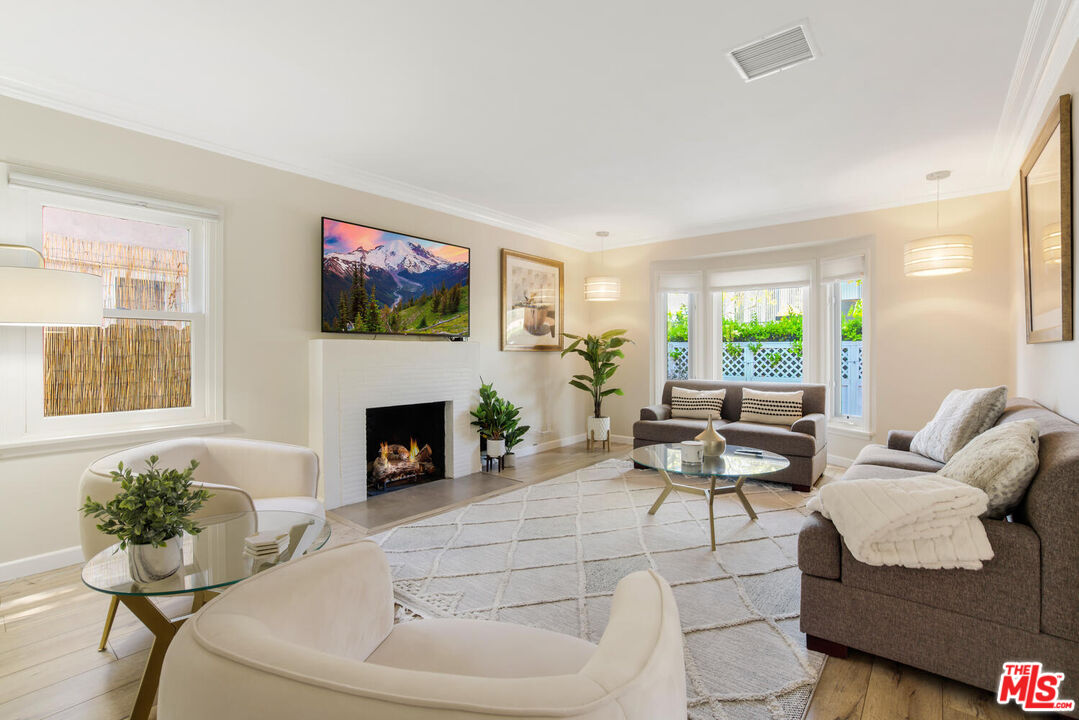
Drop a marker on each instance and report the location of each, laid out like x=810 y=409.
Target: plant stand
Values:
x=489 y=461
x=604 y=443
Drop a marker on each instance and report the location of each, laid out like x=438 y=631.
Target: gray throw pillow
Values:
x=1001 y=461
x=963 y=415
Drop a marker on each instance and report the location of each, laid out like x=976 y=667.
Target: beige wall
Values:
x=929 y=335
x=1046 y=372
x=271 y=295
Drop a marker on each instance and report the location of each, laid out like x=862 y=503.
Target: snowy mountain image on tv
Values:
x=376 y=281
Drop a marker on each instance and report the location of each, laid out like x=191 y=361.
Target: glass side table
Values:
x=213 y=559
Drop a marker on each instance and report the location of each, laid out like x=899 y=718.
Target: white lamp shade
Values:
x=38 y=296
x=602 y=288
x=1051 y=243
x=939 y=255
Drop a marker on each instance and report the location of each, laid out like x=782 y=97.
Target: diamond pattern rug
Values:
x=549 y=555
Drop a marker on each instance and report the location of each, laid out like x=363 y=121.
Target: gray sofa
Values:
x=805 y=443
x=963 y=624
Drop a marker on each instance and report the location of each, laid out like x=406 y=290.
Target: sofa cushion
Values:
x=774 y=438
x=1007 y=589
x=771 y=408
x=1001 y=461
x=673 y=430
x=819 y=548
x=813 y=398
x=881 y=455
x=962 y=415
x=702 y=404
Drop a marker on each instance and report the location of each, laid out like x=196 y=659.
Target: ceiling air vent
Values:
x=773 y=53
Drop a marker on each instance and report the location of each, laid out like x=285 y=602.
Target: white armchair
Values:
x=316 y=638
x=243 y=475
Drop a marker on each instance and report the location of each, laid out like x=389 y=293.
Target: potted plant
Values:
x=498 y=421
x=149 y=514
x=600 y=353
x=513 y=434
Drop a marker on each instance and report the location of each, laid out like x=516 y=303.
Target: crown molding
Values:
x=1048 y=42
x=74 y=101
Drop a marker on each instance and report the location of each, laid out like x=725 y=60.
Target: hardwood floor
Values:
x=50 y=625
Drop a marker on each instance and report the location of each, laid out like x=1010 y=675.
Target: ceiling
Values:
x=563 y=117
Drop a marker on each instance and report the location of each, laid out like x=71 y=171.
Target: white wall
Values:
x=271 y=295
x=929 y=334
x=1046 y=372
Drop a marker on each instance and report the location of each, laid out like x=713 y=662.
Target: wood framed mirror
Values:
x=1045 y=189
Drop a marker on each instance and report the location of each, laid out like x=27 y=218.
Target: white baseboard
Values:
x=839 y=461
x=549 y=445
x=40 y=563
x=622 y=439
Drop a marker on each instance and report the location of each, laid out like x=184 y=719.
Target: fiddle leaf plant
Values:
x=600 y=353
x=498 y=418
x=151 y=507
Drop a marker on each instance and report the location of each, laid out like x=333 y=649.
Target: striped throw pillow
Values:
x=771 y=408
x=686 y=403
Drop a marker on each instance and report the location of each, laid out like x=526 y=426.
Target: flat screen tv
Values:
x=380 y=282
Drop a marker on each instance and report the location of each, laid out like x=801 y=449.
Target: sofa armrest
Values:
x=900 y=439
x=815 y=424
x=819 y=548
x=656 y=412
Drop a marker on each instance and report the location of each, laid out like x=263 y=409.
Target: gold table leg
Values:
x=668 y=485
x=164 y=631
x=712 y=511
x=109 y=617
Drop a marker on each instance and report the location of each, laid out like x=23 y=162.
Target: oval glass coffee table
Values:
x=731 y=469
x=213 y=559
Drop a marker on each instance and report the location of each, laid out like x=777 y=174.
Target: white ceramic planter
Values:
x=599 y=428
x=147 y=563
x=509 y=460
x=496 y=448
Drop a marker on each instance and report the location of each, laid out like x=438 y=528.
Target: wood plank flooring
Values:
x=50 y=625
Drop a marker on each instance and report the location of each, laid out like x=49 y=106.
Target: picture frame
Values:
x=1045 y=190
x=532 y=303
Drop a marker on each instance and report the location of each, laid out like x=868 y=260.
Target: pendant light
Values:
x=602 y=288
x=938 y=254
x=43 y=296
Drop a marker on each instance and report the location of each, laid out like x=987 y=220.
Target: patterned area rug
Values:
x=549 y=555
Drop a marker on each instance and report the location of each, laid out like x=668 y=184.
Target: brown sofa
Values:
x=963 y=624
x=805 y=443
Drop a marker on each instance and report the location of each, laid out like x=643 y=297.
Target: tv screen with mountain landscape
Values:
x=377 y=281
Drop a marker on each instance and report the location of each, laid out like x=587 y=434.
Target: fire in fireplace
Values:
x=406 y=445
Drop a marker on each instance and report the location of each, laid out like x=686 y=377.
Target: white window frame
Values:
x=23 y=423
x=686 y=283
x=845 y=424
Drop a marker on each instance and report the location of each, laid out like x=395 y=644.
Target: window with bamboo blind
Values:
x=140 y=359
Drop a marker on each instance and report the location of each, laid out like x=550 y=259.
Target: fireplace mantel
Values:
x=349 y=375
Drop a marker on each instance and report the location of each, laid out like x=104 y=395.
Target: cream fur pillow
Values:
x=1001 y=461
x=963 y=415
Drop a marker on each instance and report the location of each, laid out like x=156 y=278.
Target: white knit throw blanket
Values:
x=926 y=521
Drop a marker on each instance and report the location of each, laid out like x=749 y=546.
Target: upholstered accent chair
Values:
x=316 y=638
x=243 y=475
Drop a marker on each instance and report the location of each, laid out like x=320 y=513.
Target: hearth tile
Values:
x=536 y=553
x=601 y=576
x=690 y=564
x=538 y=585
x=751 y=558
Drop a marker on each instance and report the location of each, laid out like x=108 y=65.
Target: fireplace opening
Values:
x=406 y=445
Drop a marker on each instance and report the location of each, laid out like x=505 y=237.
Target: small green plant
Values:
x=852 y=322
x=151 y=507
x=599 y=353
x=498 y=418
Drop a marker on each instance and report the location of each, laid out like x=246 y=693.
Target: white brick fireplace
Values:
x=350 y=375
